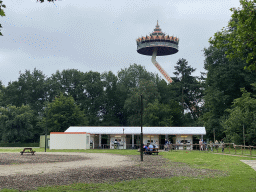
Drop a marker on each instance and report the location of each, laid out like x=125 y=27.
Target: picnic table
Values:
x=155 y=151
x=27 y=150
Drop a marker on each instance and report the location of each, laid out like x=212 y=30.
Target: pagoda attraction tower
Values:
x=158 y=44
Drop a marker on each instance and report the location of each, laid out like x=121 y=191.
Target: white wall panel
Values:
x=69 y=141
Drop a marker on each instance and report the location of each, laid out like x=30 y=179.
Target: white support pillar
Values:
x=133 y=141
x=99 y=140
x=202 y=137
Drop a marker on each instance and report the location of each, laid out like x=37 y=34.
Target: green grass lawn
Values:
x=241 y=177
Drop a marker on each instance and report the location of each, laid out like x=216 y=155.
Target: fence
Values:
x=228 y=148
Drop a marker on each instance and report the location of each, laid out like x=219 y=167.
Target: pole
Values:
x=213 y=135
x=243 y=136
x=141 y=135
x=45 y=139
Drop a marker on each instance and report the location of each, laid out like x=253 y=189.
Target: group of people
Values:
x=149 y=147
x=212 y=145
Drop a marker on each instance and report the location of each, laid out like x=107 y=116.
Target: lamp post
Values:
x=45 y=139
x=141 y=135
x=213 y=135
x=243 y=136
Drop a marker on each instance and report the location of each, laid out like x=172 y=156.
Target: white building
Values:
x=69 y=140
x=129 y=137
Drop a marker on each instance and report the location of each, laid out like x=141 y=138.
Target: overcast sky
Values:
x=100 y=35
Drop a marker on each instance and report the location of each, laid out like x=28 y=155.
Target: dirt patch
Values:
x=16 y=158
x=151 y=167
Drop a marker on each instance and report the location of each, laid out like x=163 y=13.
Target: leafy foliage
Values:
x=189 y=91
x=239 y=36
x=224 y=79
x=242 y=114
x=15 y=124
x=63 y=113
x=1 y=14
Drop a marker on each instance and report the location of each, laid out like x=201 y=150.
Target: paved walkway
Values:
x=251 y=163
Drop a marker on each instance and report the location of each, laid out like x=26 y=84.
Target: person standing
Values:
x=222 y=145
x=205 y=145
x=216 y=144
x=211 y=145
x=201 y=144
x=166 y=145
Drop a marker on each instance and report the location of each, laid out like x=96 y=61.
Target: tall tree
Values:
x=29 y=89
x=128 y=79
x=223 y=82
x=67 y=82
x=63 y=113
x=242 y=118
x=111 y=104
x=132 y=104
x=94 y=95
x=15 y=124
x=240 y=34
x=1 y=94
x=188 y=88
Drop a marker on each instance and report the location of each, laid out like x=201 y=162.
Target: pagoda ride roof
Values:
x=166 y=44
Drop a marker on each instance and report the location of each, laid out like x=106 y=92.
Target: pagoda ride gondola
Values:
x=158 y=44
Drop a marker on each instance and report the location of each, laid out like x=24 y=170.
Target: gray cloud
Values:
x=100 y=35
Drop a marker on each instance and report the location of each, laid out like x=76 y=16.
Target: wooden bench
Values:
x=27 y=150
x=155 y=151
x=152 y=152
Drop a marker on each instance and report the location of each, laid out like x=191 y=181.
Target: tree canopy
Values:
x=239 y=36
x=63 y=113
x=242 y=115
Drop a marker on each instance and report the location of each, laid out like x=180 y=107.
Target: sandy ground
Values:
x=102 y=160
x=27 y=172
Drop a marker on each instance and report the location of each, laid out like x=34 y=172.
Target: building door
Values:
x=105 y=141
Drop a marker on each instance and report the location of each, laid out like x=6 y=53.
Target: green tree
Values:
x=222 y=85
x=1 y=94
x=85 y=88
x=16 y=124
x=1 y=14
x=94 y=96
x=242 y=114
x=158 y=114
x=67 y=82
x=111 y=106
x=239 y=36
x=63 y=113
x=128 y=80
x=188 y=90
x=30 y=89
x=132 y=104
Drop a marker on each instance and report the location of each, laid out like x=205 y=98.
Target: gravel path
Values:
x=33 y=164
x=87 y=168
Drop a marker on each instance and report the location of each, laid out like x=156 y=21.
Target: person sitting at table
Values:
x=156 y=145
x=150 y=147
